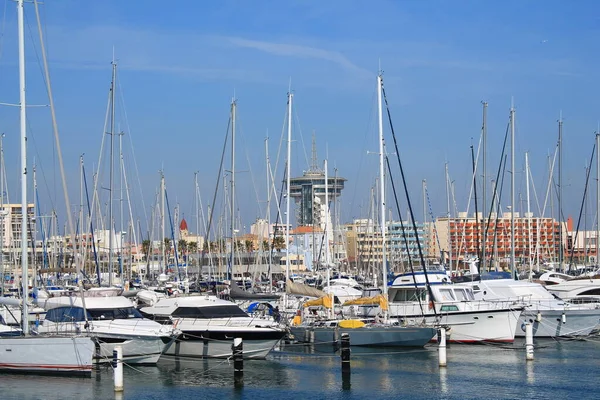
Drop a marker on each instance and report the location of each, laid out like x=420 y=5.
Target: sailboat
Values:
x=369 y=334
x=38 y=354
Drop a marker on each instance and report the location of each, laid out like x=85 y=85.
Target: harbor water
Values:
x=565 y=369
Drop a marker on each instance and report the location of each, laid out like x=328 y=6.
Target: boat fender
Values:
x=175 y=323
x=431 y=305
x=538 y=317
x=564 y=318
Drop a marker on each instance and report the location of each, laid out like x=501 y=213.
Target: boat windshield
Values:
x=226 y=311
x=113 y=313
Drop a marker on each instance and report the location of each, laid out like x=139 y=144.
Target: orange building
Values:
x=462 y=237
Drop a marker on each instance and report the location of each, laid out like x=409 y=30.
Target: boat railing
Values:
x=228 y=321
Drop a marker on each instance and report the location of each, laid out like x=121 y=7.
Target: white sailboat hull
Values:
x=47 y=355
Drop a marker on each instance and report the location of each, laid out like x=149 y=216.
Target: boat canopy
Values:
x=324 y=301
x=303 y=290
x=379 y=300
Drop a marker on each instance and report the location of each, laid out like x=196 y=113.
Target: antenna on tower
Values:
x=314 y=167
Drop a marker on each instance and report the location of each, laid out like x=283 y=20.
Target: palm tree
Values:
x=249 y=245
x=279 y=243
x=146 y=248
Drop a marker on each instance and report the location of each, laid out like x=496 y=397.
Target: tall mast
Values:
x=560 y=223
x=327 y=264
x=2 y=213
x=448 y=216
x=512 y=191
x=111 y=174
x=597 y=197
x=327 y=254
x=23 y=107
x=121 y=174
x=162 y=220
x=529 y=233
x=287 y=205
x=232 y=194
x=482 y=262
x=425 y=227
x=382 y=185
x=269 y=241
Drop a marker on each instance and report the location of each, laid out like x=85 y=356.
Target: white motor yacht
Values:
x=110 y=321
x=550 y=315
x=208 y=326
x=454 y=306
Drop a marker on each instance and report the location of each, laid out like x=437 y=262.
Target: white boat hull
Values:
x=47 y=355
x=469 y=326
x=135 y=350
x=253 y=349
x=550 y=323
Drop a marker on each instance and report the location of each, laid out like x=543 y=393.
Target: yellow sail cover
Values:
x=324 y=301
x=351 y=324
x=367 y=301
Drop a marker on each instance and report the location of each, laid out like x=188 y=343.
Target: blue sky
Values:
x=180 y=63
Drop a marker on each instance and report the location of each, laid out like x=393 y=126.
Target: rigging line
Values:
x=498 y=206
x=3 y=29
x=242 y=139
x=366 y=136
x=301 y=135
x=97 y=175
x=212 y=209
x=435 y=233
x=137 y=173
x=404 y=235
x=175 y=244
x=283 y=135
x=462 y=243
x=502 y=155
x=91 y=224
x=39 y=160
x=587 y=180
x=479 y=251
x=414 y=226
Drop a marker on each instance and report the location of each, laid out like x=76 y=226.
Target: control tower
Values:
x=308 y=191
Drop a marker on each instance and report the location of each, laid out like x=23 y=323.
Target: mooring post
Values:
x=238 y=360
x=528 y=342
x=345 y=353
x=118 y=368
x=442 y=347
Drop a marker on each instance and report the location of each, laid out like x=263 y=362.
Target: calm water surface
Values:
x=561 y=370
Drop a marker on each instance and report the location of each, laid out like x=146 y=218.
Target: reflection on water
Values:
x=560 y=370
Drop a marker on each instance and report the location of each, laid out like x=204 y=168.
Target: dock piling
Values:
x=237 y=349
x=118 y=368
x=528 y=342
x=442 y=347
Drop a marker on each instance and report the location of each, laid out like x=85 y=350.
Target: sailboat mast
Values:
x=232 y=193
x=597 y=197
x=529 y=233
x=111 y=173
x=560 y=223
x=327 y=254
x=23 y=107
x=448 y=216
x=482 y=262
x=269 y=241
x=2 y=213
x=512 y=191
x=382 y=185
x=288 y=171
x=162 y=220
